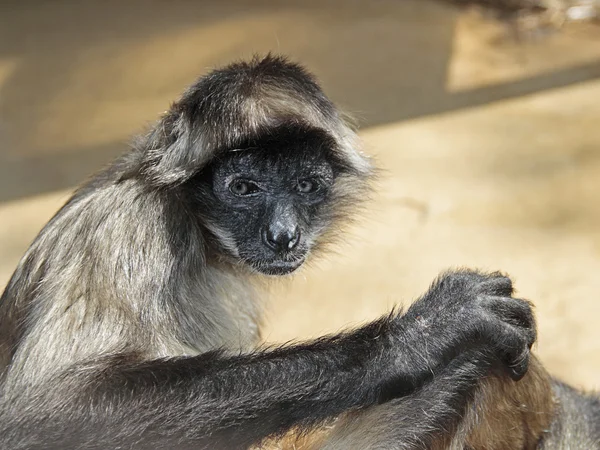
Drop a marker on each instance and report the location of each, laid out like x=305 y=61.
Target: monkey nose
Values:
x=281 y=239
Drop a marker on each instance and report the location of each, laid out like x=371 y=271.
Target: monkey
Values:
x=133 y=320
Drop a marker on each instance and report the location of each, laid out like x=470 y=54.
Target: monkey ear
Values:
x=172 y=152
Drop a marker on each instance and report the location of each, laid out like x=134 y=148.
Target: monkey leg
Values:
x=537 y=412
x=508 y=415
x=416 y=421
x=576 y=421
x=468 y=406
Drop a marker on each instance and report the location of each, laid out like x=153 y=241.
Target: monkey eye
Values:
x=243 y=187
x=307 y=186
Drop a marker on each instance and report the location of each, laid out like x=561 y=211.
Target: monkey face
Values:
x=267 y=204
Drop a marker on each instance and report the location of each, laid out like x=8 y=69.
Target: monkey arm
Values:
x=215 y=400
x=236 y=401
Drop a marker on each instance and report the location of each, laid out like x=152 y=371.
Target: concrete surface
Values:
x=489 y=147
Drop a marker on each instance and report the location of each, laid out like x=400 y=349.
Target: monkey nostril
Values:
x=269 y=238
x=284 y=240
x=294 y=238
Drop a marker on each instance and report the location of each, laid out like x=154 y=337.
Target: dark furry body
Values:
x=130 y=324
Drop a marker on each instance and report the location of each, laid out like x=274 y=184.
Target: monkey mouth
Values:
x=277 y=267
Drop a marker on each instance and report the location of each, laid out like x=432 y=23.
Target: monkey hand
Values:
x=466 y=310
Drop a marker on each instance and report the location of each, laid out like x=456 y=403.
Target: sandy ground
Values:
x=489 y=148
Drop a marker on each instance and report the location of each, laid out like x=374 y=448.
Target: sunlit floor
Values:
x=490 y=148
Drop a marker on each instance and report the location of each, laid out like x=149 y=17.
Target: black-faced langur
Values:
x=133 y=319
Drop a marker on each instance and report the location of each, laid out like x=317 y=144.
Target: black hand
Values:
x=467 y=309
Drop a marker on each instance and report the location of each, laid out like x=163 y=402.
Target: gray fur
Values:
x=132 y=323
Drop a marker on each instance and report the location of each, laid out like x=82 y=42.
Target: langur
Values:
x=133 y=320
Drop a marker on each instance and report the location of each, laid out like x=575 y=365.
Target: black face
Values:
x=266 y=203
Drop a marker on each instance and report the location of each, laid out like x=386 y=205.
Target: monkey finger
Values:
x=514 y=311
x=497 y=284
x=511 y=347
x=519 y=368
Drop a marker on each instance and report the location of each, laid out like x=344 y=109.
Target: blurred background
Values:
x=485 y=123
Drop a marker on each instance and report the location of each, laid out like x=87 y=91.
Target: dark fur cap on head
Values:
x=234 y=104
